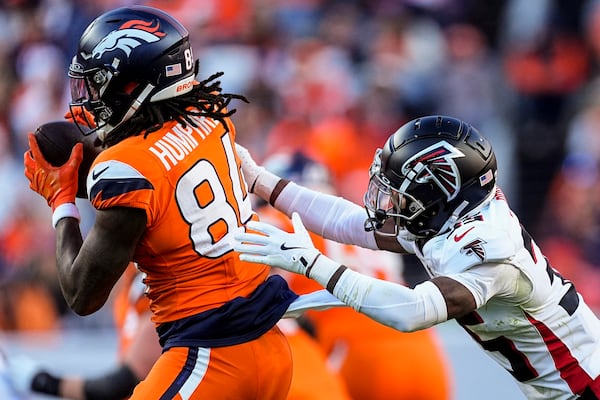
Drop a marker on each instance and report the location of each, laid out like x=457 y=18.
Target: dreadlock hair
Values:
x=205 y=99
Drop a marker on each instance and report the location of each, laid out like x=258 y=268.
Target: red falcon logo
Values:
x=129 y=36
x=474 y=247
x=436 y=163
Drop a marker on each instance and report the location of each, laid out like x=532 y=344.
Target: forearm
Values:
x=389 y=303
x=331 y=217
x=72 y=388
x=114 y=385
x=68 y=244
x=88 y=270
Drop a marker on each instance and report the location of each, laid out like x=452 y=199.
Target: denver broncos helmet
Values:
x=128 y=57
x=431 y=171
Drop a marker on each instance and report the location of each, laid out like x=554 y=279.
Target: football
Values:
x=56 y=140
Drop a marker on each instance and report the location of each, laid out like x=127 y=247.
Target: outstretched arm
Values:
x=329 y=216
x=389 y=303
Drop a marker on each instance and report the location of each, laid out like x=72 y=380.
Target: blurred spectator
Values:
x=583 y=129
x=29 y=293
x=545 y=62
x=471 y=88
x=569 y=229
x=38 y=96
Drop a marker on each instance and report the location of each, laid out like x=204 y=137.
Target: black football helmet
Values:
x=432 y=171
x=128 y=57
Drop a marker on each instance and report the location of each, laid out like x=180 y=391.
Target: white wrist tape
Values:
x=265 y=184
x=325 y=271
x=63 y=211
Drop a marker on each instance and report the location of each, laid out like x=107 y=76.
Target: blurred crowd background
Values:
x=333 y=79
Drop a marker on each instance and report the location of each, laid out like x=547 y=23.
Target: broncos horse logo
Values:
x=129 y=36
x=435 y=163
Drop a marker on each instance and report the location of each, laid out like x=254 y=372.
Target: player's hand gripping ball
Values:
x=56 y=140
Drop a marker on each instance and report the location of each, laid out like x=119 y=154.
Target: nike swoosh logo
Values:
x=95 y=174
x=284 y=247
x=458 y=238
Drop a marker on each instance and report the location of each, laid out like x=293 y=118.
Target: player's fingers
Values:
x=36 y=152
x=262 y=227
x=253 y=258
x=252 y=238
x=250 y=249
x=76 y=155
x=30 y=164
x=297 y=223
x=30 y=169
x=27 y=156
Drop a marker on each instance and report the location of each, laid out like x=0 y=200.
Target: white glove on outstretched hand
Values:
x=250 y=169
x=292 y=252
x=260 y=181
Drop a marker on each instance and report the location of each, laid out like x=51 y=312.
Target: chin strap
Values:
x=474 y=211
x=454 y=217
x=137 y=103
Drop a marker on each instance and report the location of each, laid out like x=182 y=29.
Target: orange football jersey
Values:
x=188 y=181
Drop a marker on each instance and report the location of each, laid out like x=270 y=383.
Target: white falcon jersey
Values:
x=535 y=324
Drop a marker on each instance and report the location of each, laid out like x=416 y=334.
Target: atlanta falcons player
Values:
x=432 y=192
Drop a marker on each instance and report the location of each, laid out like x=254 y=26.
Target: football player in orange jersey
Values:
x=169 y=196
x=363 y=351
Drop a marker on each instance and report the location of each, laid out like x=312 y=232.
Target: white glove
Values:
x=21 y=370
x=260 y=181
x=292 y=252
x=250 y=169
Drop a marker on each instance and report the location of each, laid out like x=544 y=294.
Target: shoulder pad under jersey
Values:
x=109 y=174
x=494 y=235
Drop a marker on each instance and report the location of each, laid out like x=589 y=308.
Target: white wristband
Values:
x=63 y=211
x=325 y=271
x=265 y=184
